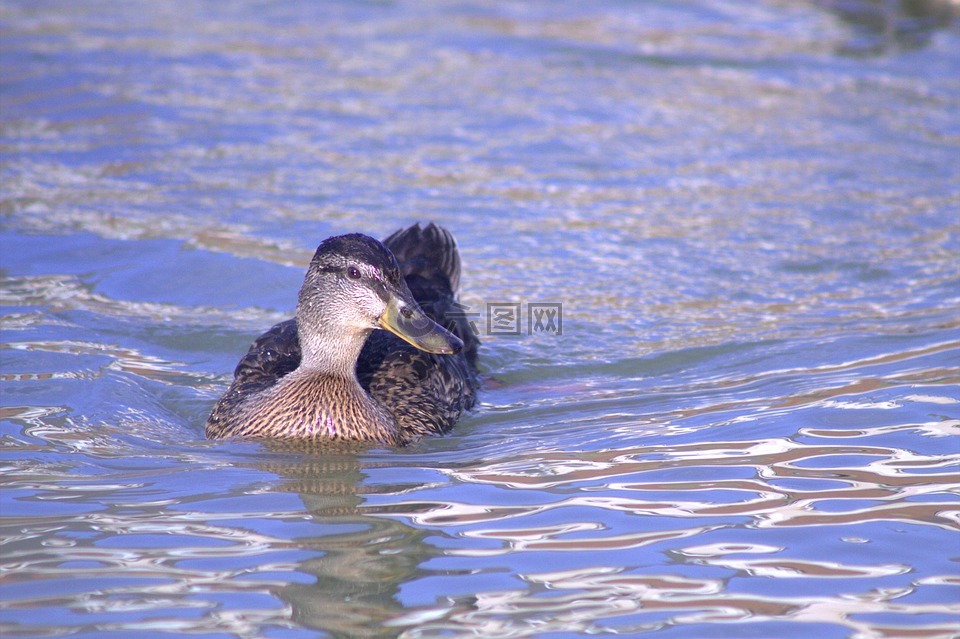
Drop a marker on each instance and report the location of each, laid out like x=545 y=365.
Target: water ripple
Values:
x=644 y=603
x=883 y=485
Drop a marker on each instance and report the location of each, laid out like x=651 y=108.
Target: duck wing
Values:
x=271 y=356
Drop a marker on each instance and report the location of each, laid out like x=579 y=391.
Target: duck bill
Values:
x=406 y=320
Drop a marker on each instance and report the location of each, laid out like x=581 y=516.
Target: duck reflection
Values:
x=361 y=569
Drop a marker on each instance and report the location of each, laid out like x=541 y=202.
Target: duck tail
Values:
x=427 y=252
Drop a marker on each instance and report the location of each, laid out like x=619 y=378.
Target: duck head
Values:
x=354 y=286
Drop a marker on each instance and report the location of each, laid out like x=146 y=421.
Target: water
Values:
x=748 y=211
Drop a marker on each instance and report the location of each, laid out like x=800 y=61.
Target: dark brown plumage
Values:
x=327 y=375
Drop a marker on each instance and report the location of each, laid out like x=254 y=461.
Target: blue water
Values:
x=748 y=423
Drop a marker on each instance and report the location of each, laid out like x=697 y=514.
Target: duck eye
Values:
x=353 y=273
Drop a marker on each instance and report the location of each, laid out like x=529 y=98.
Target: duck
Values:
x=379 y=351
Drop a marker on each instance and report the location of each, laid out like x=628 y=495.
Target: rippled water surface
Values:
x=749 y=424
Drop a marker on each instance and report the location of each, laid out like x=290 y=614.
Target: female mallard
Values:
x=328 y=374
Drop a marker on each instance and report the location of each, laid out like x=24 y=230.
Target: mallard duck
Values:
x=330 y=374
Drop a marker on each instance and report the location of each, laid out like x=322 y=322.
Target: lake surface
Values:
x=747 y=425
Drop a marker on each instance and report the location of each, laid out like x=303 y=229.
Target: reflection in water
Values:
x=155 y=555
x=359 y=571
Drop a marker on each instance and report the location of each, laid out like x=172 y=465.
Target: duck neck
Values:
x=332 y=354
x=330 y=350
